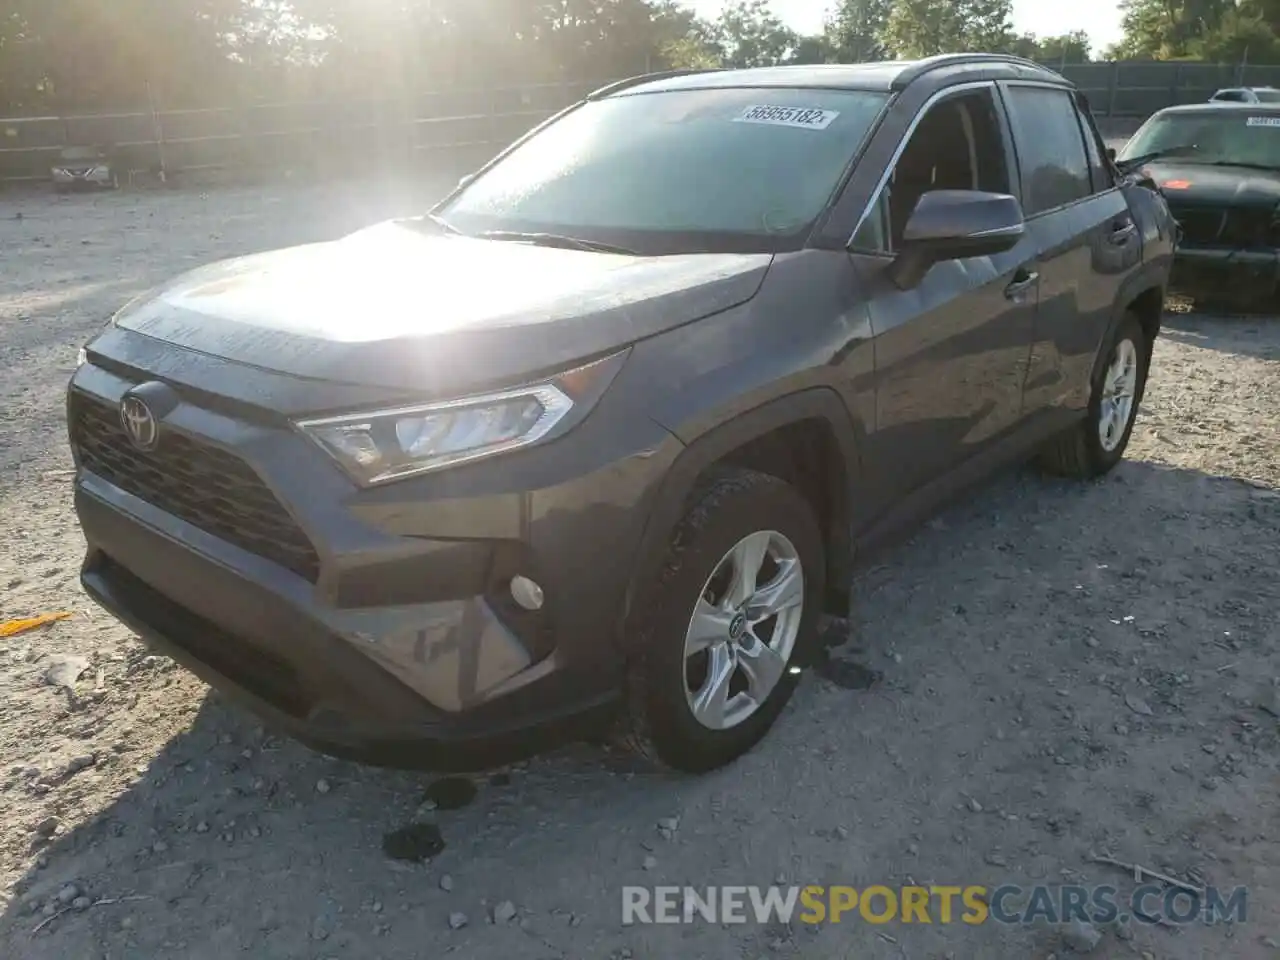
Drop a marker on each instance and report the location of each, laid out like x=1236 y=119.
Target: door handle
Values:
x=1122 y=231
x=1022 y=281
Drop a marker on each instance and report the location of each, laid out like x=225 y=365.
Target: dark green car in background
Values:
x=1224 y=190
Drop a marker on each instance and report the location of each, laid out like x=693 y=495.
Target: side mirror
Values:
x=1111 y=154
x=953 y=225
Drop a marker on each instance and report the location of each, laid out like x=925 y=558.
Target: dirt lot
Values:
x=1066 y=670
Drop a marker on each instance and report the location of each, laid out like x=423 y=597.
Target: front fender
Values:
x=714 y=446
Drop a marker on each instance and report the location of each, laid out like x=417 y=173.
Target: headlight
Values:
x=384 y=445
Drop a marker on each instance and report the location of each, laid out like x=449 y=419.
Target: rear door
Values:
x=1084 y=237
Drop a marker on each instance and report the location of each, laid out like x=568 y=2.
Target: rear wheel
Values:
x=734 y=607
x=1096 y=444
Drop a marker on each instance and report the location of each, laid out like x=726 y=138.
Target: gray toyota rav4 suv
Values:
x=600 y=436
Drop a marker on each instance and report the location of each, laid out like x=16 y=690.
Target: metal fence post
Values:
x=157 y=126
x=491 y=104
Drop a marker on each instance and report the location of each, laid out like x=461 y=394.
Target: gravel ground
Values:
x=1061 y=670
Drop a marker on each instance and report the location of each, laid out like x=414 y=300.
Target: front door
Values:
x=951 y=352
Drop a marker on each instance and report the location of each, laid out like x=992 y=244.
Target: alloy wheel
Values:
x=743 y=629
x=1119 y=386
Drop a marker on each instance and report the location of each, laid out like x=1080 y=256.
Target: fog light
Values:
x=526 y=593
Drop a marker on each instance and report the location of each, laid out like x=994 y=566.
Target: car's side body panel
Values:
x=950 y=360
x=957 y=335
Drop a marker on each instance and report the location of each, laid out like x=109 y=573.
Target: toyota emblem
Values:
x=139 y=423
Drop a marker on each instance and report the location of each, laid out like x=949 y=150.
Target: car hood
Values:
x=1217 y=186
x=398 y=305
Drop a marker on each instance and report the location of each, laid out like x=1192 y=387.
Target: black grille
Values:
x=1213 y=226
x=1247 y=228
x=201 y=484
x=1199 y=226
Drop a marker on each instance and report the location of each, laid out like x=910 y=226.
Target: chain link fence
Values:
x=322 y=137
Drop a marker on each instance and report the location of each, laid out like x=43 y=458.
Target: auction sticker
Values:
x=809 y=117
x=1263 y=122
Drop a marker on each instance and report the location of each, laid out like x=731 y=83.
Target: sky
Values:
x=1099 y=18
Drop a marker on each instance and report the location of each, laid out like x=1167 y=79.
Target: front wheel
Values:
x=734 y=606
x=1095 y=445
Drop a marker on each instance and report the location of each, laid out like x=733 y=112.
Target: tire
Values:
x=1081 y=452
x=734 y=508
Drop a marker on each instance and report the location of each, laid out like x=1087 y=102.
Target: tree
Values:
x=61 y=55
x=749 y=34
x=1071 y=47
x=1167 y=29
x=696 y=50
x=814 y=49
x=854 y=28
x=921 y=28
x=1240 y=36
x=1226 y=31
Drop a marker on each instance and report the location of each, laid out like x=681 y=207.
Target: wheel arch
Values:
x=1142 y=297
x=807 y=439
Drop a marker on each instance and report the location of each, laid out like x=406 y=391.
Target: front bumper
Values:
x=1226 y=272
x=401 y=645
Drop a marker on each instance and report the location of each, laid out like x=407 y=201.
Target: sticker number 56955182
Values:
x=810 y=117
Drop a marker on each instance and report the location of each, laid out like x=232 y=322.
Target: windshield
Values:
x=1227 y=136
x=677 y=171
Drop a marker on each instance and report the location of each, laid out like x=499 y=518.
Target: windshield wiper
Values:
x=1131 y=164
x=553 y=240
x=442 y=223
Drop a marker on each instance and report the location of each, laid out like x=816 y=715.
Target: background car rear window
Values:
x=1051 y=152
x=759 y=161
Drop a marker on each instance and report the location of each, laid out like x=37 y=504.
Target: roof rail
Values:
x=619 y=85
x=921 y=67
